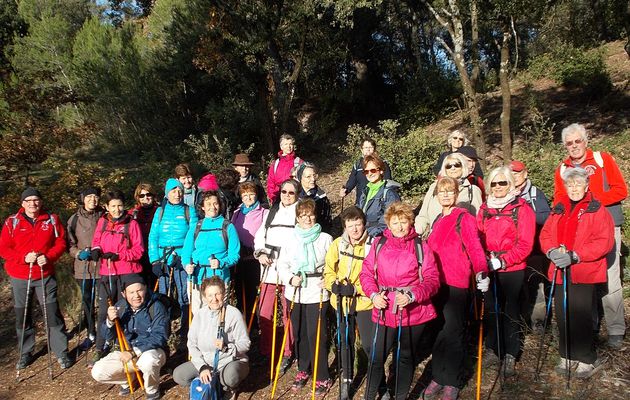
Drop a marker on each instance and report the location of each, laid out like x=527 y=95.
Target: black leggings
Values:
x=304 y=319
x=385 y=338
x=103 y=293
x=88 y=289
x=246 y=278
x=508 y=285
x=362 y=319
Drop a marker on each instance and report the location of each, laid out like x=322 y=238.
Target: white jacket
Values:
x=310 y=293
x=277 y=236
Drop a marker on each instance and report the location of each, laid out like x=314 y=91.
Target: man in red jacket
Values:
x=608 y=186
x=30 y=242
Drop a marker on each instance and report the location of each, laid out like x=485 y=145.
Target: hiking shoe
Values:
x=300 y=380
x=490 y=358
x=450 y=393
x=345 y=390
x=508 y=366
x=615 y=341
x=561 y=367
x=154 y=396
x=285 y=364
x=431 y=392
x=322 y=387
x=584 y=371
x=25 y=360
x=64 y=361
x=97 y=355
x=124 y=391
x=86 y=344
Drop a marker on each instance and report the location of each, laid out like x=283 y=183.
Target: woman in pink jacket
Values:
x=280 y=168
x=454 y=240
x=119 y=245
x=399 y=275
x=507 y=226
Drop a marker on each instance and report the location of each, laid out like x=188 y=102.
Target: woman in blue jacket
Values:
x=212 y=246
x=378 y=194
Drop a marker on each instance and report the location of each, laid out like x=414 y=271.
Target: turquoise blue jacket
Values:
x=210 y=244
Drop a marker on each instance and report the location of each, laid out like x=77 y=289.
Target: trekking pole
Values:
x=565 y=290
x=339 y=361
x=251 y=317
x=284 y=342
x=273 y=333
x=119 y=336
x=41 y=269
x=319 y=331
x=347 y=340
x=215 y=366
x=480 y=345
x=400 y=313
x=163 y=259
x=91 y=309
x=124 y=346
x=498 y=324
x=547 y=312
x=190 y=316
x=373 y=354
x=28 y=292
x=82 y=311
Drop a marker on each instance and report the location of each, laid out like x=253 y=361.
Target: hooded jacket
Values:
x=280 y=171
x=81 y=237
x=357 y=178
x=397 y=267
x=144 y=217
x=109 y=236
x=593 y=239
x=469 y=198
x=375 y=208
x=458 y=252
x=19 y=240
x=323 y=210
x=512 y=241
x=170 y=230
x=344 y=262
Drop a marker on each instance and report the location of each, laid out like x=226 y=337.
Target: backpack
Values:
x=223 y=230
x=270 y=216
x=296 y=162
x=163 y=206
x=125 y=233
x=200 y=391
x=172 y=307
x=512 y=214
x=419 y=254
x=51 y=220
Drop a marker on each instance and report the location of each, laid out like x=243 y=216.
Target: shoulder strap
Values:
x=51 y=221
x=187 y=213
x=224 y=227
x=14 y=222
x=161 y=213
x=597 y=155
x=270 y=216
x=532 y=197
x=197 y=230
x=379 y=246
x=275 y=165
x=134 y=214
x=419 y=255
x=126 y=233
x=458 y=225
x=72 y=226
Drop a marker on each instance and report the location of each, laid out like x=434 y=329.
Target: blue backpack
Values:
x=200 y=391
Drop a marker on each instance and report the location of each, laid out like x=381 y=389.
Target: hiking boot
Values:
x=490 y=358
x=124 y=391
x=25 y=360
x=286 y=364
x=584 y=371
x=615 y=341
x=64 y=361
x=561 y=367
x=508 y=366
x=450 y=393
x=97 y=355
x=300 y=380
x=86 y=344
x=322 y=387
x=154 y=396
x=345 y=390
x=431 y=392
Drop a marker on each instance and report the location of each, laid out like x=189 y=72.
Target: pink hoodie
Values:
x=113 y=240
x=398 y=268
x=457 y=253
x=280 y=173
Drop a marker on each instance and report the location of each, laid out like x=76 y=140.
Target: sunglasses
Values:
x=371 y=171
x=456 y=165
x=499 y=183
x=291 y=193
x=143 y=195
x=572 y=142
x=461 y=139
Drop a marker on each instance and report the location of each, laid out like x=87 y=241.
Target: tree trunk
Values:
x=474 y=45
x=506 y=95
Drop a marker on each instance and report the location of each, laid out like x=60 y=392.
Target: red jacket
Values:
x=511 y=240
x=280 y=171
x=458 y=251
x=144 y=217
x=397 y=267
x=593 y=239
x=18 y=238
x=113 y=240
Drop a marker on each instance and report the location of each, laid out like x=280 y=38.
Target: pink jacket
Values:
x=458 y=250
x=499 y=233
x=280 y=171
x=397 y=267
x=112 y=239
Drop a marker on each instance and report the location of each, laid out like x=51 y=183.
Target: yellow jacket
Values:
x=345 y=261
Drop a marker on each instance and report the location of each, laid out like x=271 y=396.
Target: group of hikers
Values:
x=413 y=283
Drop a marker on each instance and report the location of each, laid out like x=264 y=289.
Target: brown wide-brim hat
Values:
x=242 y=159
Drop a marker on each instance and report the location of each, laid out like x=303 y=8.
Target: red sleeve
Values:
x=430 y=277
x=133 y=253
x=559 y=190
x=366 y=276
x=472 y=244
x=618 y=190
x=7 y=245
x=59 y=245
x=548 y=239
x=271 y=183
x=526 y=231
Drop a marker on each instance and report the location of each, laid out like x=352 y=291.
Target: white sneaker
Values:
x=561 y=367
x=584 y=371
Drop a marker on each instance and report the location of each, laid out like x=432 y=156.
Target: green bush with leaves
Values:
x=410 y=155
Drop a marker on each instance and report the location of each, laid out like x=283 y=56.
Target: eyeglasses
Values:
x=306 y=216
x=34 y=201
x=450 y=166
x=371 y=171
x=575 y=184
x=290 y=193
x=446 y=193
x=248 y=195
x=367 y=148
x=572 y=142
x=143 y=195
x=499 y=183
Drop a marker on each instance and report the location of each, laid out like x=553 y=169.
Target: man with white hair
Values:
x=608 y=186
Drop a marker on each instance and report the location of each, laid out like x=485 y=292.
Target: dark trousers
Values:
x=508 y=339
x=580 y=302
x=109 y=286
x=362 y=320
x=535 y=274
x=409 y=341
x=56 y=326
x=246 y=279
x=448 y=350
x=88 y=295
x=304 y=319
x=177 y=288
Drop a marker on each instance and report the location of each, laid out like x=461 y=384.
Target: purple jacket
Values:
x=398 y=268
x=247 y=225
x=457 y=253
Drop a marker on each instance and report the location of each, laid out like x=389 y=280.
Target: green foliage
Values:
x=212 y=153
x=410 y=155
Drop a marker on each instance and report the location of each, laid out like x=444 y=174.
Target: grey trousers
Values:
x=230 y=376
x=56 y=326
x=613 y=300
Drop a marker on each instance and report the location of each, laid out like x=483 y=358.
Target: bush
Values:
x=410 y=155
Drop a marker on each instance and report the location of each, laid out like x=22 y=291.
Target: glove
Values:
x=346 y=290
x=96 y=254
x=561 y=259
x=158 y=268
x=495 y=263
x=483 y=282
x=111 y=256
x=335 y=288
x=84 y=255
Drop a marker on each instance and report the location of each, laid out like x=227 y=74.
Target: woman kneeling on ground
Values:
x=232 y=343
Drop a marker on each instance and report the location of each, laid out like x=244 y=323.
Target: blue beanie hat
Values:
x=171 y=184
